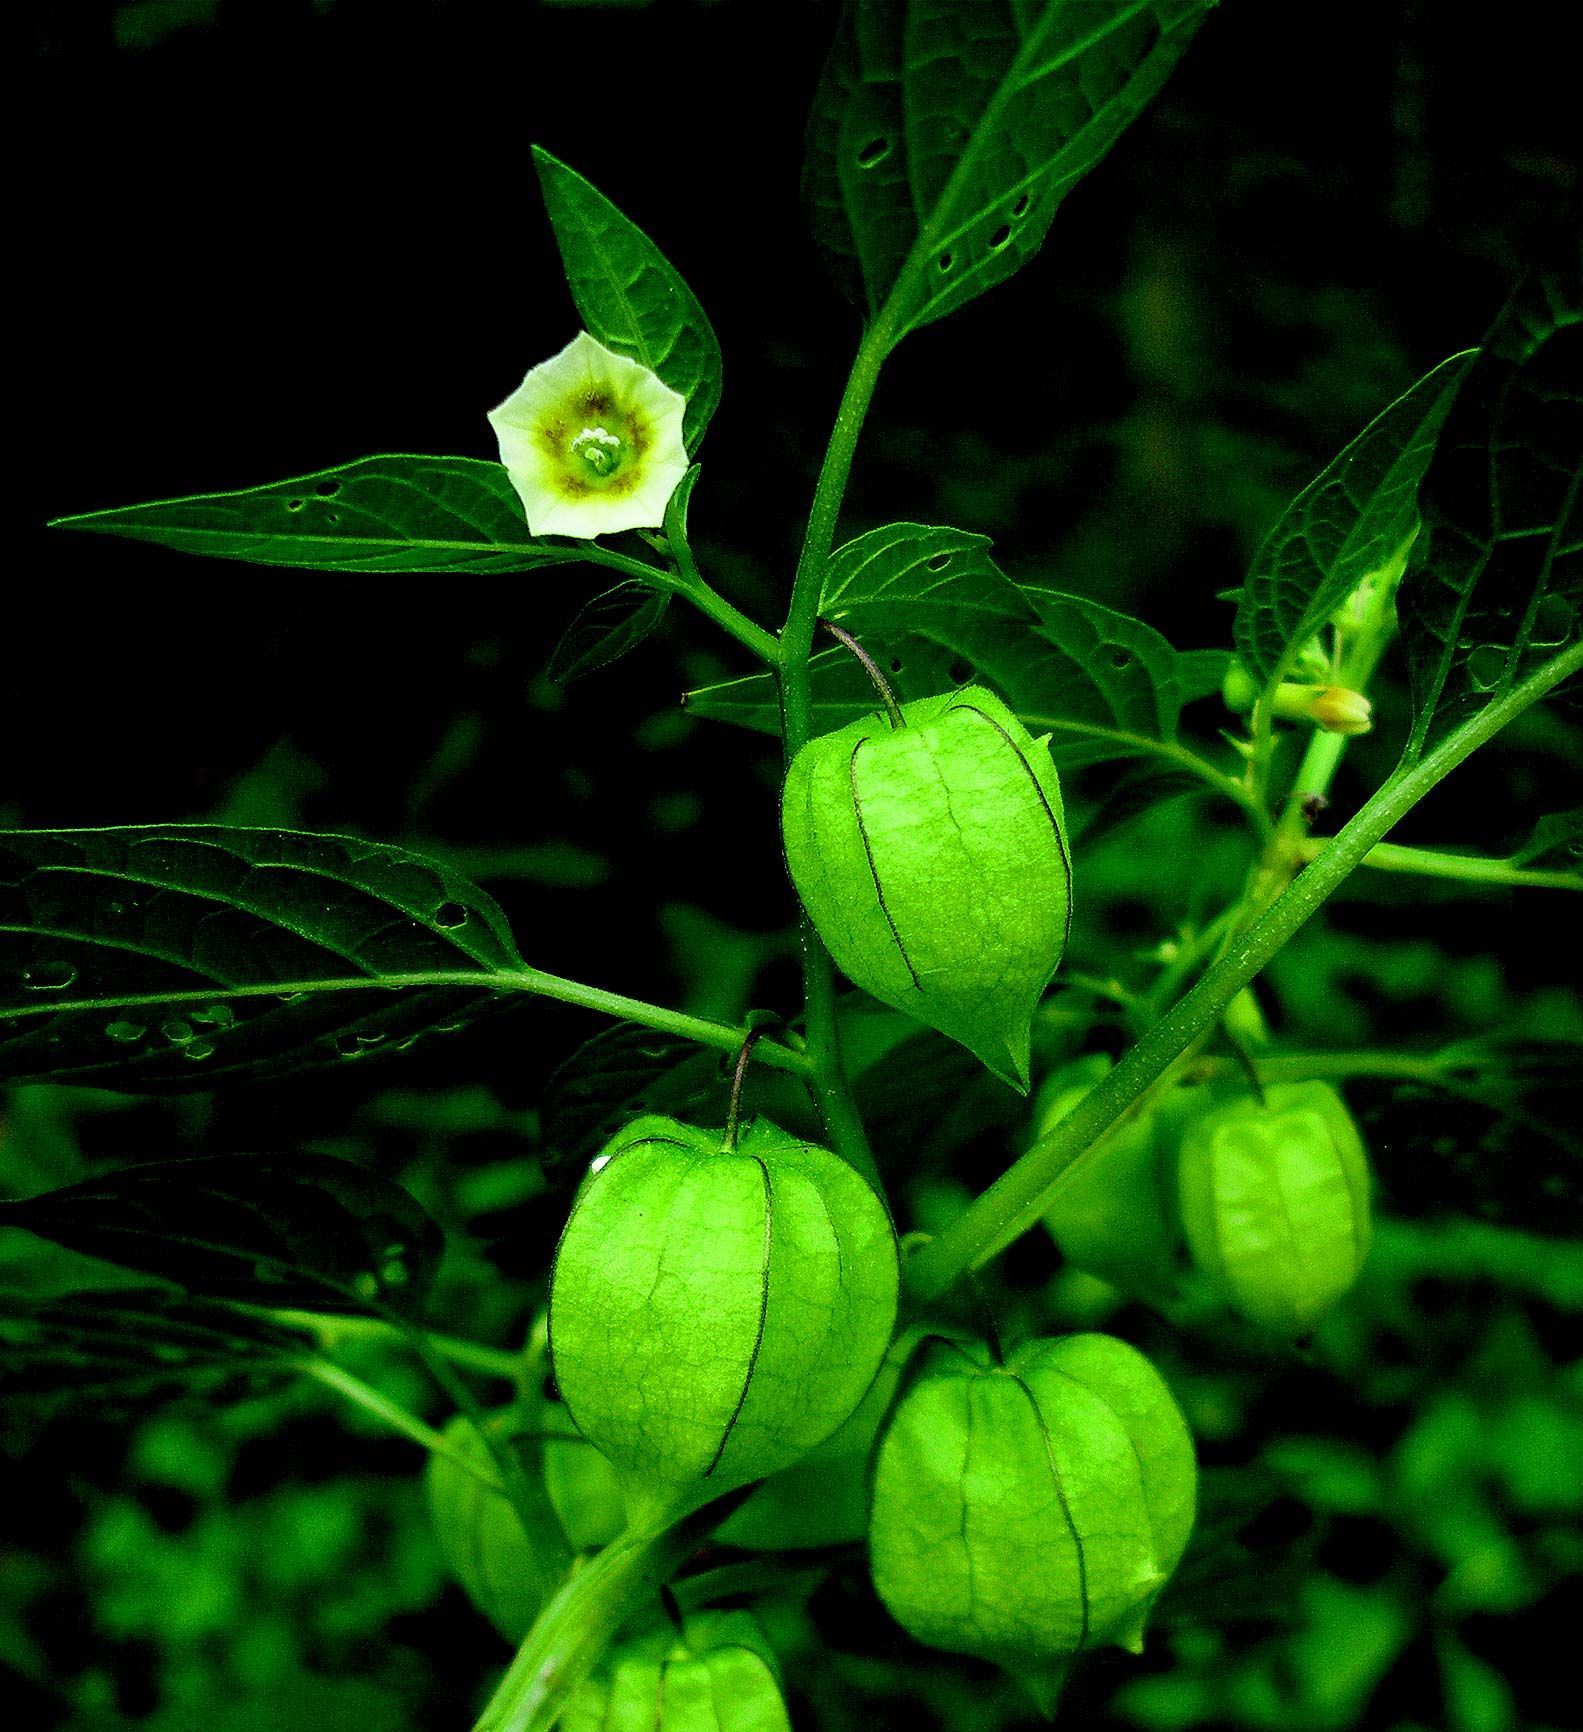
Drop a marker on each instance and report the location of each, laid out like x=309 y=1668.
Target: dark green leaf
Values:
x=1495 y=587
x=378 y=514
x=935 y=611
x=272 y=1230
x=620 y=1073
x=1200 y=673
x=132 y=1344
x=1350 y=523
x=918 y=572
x=629 y=295
x=606 y=628
x=1556 y=842
x=174 y=956
x=944 y=136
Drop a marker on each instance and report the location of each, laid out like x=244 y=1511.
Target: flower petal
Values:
x=588 y=399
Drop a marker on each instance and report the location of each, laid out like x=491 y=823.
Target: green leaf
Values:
x=175 y=956
x=280 y=1231
x=132 y=1344
x=616 y=1075
x=944 y=136
x=394 y=513
x=1350 y=523
x=1495 y=587
x=606 y=628
x=936 y=612
x=629 y=295
x=1556 y=842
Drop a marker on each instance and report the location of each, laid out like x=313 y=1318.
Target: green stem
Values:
x=393 y=1414
x=724 y=1037
x=1020 y=1196
x=828 y=1077
x=1463 y=868
x=687 y=582
x=581 y=1620
x=524 y=1490
x=1173 y=752
x=331 y=1329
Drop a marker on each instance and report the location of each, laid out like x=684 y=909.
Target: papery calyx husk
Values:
x=477 y=1530
x=716 y=1673
x=823 y=1499
x=1028 y=1511
x=1274 y=1200
x=1112 y=1216
x=932 y=860
x=717 y=1312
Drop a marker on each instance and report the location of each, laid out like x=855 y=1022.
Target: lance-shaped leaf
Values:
x=378 y=514
x=1495 y=587
x=618 y=1074
x=936 y=612
x=1350 y=524
x=274 y=1230
x=629 y=295
x=1556 y=842
x=171 y=957
x=606 y=628
x=944 y=136
x=130 y=1344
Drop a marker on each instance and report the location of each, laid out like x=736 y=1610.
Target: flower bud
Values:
x=1274 y=1198
x=932 y=860
x=716 y=1674
x=1335 y=709
x=1025 y=1512
x=717 y=1312
x=1239 y=690
x=1112 y=1216
x=478 y=1532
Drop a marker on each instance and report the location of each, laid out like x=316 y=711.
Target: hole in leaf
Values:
x=1121 y=660
x=1486 y=664
x=328 y=489
x=295 y=504
x=939 y=562
x=999 y=238
x=873 y=153
x=895 y=664
x=332 y=517
x=1553 y=619
x=945 y=262
x=48 y=976
x=960 y=672
x=1020 y=209
x=450 y=914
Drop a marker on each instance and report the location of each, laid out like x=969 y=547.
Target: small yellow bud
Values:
x=1336 y=709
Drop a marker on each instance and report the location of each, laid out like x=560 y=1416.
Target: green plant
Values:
x=704 y=1335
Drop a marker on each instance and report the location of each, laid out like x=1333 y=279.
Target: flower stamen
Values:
x=600 y=449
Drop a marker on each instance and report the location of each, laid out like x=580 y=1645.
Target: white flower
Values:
x=592 y=442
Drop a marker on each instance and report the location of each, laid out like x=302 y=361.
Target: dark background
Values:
x=259 y=239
